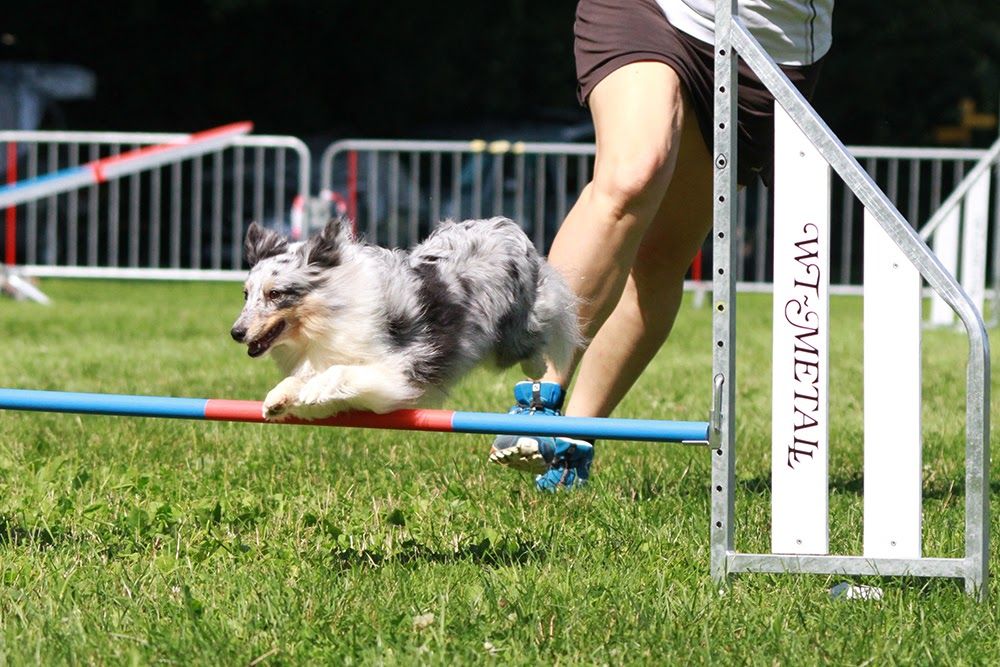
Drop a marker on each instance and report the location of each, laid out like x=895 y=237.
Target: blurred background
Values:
x=900 y=73
x=911 y=88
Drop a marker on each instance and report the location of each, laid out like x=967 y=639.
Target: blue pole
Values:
x=446 y=421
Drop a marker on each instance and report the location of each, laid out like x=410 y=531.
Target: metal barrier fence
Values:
x=960 y=234
x=184 y=220
x=394 y=189
x=916 y=181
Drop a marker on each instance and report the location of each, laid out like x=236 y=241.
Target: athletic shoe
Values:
x=569 y=462
x=526 y=453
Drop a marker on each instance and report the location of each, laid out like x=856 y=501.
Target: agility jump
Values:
x=892 y=545
x=116 y=166
x=441 y=421
x=897 y=258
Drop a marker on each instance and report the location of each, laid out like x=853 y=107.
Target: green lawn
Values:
x=160 y=541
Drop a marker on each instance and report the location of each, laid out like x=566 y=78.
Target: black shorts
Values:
x=610 y=34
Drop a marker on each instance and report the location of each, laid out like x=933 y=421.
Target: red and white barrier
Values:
x=109 y=168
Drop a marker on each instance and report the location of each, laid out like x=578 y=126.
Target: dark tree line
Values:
x=394 y=68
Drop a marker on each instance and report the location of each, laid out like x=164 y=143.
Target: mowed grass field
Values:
x=153 y=541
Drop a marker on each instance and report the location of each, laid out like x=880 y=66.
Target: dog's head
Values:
x=282 y=279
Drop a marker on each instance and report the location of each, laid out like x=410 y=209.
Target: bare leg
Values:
x=638 y=112
x=627 y=242
x=624 y=252
x=643 y=317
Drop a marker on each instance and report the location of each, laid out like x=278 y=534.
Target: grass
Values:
x=159 y=541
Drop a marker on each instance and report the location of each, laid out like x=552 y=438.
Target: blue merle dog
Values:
x=356 y=326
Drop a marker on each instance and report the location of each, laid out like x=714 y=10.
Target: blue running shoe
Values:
x=557 y=462
x=569 y=462
x=525 y=452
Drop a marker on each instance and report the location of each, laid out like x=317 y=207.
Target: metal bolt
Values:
x=721 y=161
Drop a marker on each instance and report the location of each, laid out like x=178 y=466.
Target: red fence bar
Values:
x=10 y=254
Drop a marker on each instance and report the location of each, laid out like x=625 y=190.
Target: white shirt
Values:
x=794 y=32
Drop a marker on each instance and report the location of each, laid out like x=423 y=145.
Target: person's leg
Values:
x=638 y=111
x=645 y=313
x=640 y=322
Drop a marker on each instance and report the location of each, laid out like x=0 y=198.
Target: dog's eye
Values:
x=246 y=295
x=274 y=294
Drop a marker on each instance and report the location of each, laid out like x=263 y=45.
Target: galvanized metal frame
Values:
x=984 y=164
x=732 y=38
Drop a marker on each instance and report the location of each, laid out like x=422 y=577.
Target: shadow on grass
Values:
x=14 y=534
x=936 y=490
x=412 y=553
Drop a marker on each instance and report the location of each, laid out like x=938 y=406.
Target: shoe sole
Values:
x=525 y=458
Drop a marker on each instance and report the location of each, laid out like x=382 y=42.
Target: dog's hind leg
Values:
x=373 y=388
x=534 y=366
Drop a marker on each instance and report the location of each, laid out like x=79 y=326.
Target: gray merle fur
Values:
x=410 y=323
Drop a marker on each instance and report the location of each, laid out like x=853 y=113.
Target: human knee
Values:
x=634 y=183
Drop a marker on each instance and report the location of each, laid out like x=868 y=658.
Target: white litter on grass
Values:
x=849 y=591
x=423 y=621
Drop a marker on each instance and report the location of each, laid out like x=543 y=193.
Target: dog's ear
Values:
x=262 y=243
x=325 y=249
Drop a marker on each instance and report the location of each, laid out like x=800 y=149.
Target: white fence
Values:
x=183 y=220
x=395 y=189
x=187 y=220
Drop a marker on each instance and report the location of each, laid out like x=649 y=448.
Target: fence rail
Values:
x=186 y=220
x=188 y=216
x=394 y=189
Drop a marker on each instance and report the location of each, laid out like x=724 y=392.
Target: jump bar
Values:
x=117 y=166
x=444 y=421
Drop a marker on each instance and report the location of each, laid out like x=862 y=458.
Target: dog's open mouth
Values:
x=261 y=345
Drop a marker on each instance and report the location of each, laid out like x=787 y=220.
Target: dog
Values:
x=354 y=326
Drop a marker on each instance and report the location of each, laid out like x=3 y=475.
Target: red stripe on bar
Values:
x=221 y=409
x=98 y=169
x=10 y=253
x=409 y=420
x=232 y=128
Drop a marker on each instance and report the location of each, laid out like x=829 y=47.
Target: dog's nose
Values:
x=238 y=334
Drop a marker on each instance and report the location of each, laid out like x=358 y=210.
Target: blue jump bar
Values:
x=607 y=428
x=102 y=404
x=446 y=421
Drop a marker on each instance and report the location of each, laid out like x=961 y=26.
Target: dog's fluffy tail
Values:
x=556 y=312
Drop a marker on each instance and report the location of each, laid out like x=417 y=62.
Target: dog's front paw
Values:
x=282 y=399
x=323 y=396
